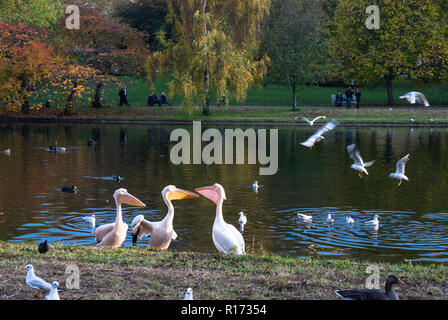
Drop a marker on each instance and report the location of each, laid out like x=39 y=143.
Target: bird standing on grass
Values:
x=53 y=295
x=373 y=294
x=43 y=247
x=189 y=294
x=35 y=282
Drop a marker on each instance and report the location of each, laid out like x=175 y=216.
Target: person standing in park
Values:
x=123 y=97
x=349 y=97
x=358 y=98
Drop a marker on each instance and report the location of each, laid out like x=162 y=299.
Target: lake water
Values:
x=413 y=217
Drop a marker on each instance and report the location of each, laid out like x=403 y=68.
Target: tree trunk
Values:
x=206 y=108
x=69 y=105
x=390 y=95
x=97 y=99
x=294 y=97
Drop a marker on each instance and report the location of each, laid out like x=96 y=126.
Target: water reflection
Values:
x=413 y=218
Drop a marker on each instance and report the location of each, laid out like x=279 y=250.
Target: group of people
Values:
x=152 y=99
x=349 y=93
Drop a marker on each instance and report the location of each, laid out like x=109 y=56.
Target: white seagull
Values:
x=53 y=295
x=349 y=219
x=318 y=135
x=399 y=174
x=375 y=221
x=35 y=282
x=330 y=218
x=255 y=185
x=359 y=164
x=189 y=294
x=311 y=123
x=90 y=220
x=416 y=97
x=6 y=152
x=242 y=220
x=305 y=217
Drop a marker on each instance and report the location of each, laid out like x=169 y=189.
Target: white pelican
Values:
x=399 y=174
x=6 y=152
x=242 y=219
x=189 y=294
x=359 y=164
x=416 y=97
x=305 y=217
x=114 y=234
x=35 y=282
x=53 y=295
x=226 y=237
x=90 y=220
x=349 y=219
x=161 y=232
x=318 y=135
x=330 y=218
x=310 y=122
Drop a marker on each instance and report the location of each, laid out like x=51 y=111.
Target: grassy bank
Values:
x=137 y=273
x=399 y=115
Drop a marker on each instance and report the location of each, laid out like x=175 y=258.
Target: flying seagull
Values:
x=359 y=164
x=318 y=135
x=416 y=97
x=311 y=123
x=399 y=174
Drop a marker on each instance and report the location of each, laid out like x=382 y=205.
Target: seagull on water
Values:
x=90 y=220
x=189 y=294
x=399 y=174
x=330 y=218
x=349 y=219
x=318 y=135
x=6 y=152
x=359 y=164
x=416 y=97
x=375 y=221
x=255 y=185
x=310 y=122
x=242 y=220
x=35 y=282
x=53 y=295
x=304 y=217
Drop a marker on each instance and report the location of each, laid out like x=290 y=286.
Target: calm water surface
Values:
x=413 y=217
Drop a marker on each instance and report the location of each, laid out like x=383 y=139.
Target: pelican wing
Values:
x=422 y=99
x=174 y=237
x=353 y=152
x=228 y=239
x=141 y=227
x=102 y=231
x=401 y=164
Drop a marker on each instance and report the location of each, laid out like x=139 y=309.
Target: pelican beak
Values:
x=129 y=199
x=209 y=192
x=179 y=194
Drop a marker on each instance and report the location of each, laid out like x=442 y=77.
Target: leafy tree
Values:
x=410 y=43
x=294 y=40
x=147 y=16
x=43 y=13
x=213 y=48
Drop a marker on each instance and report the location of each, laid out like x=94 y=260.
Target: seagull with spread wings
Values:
x=416 y=97
x=318 y=135
x=310 y=122
x=399 y=174
x=359 y=164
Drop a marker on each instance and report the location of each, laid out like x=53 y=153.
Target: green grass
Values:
x=271 y=95
x=138 y=273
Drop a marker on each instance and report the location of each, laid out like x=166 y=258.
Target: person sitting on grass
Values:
x=164 y=98
x=339 y=100
x=153 y=99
